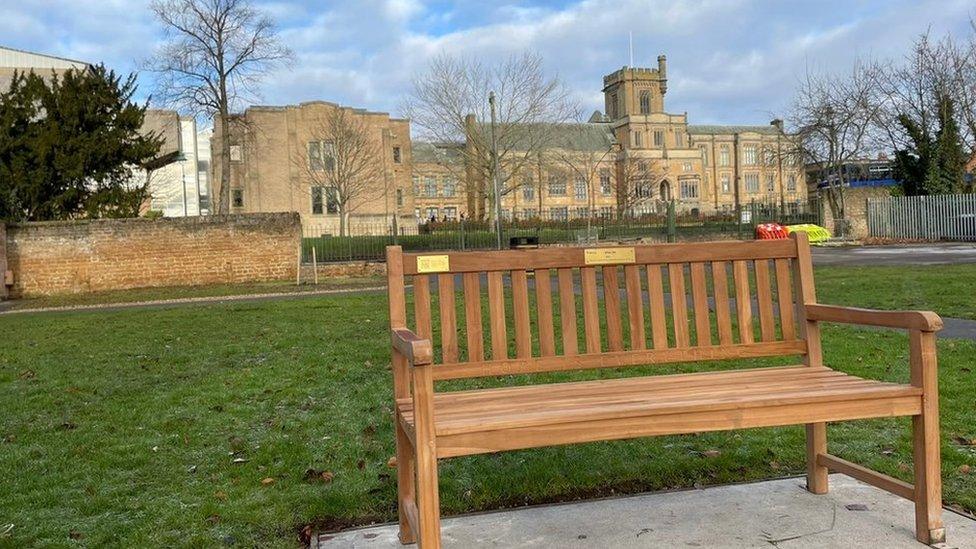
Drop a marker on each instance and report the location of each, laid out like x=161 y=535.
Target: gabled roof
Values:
x=573 y=136
x=718 y=130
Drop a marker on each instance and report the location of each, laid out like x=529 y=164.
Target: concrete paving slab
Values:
x=778 y=513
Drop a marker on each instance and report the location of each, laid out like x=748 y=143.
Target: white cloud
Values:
x=730 y=61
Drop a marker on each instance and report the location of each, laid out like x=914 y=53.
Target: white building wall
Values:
x=175 y=188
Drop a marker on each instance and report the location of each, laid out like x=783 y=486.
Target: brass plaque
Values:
x=433 y=263
x=608 y=256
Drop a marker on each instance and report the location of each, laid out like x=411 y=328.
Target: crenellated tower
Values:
x=636 y=91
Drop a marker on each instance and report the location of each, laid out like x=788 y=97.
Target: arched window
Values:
x=645 y=102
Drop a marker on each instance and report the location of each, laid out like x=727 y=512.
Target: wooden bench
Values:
x=710 y=315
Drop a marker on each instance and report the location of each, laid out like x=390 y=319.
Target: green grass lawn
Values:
x=945 y=289
x=161 y=427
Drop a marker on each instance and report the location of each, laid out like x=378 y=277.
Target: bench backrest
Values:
x=636 y=304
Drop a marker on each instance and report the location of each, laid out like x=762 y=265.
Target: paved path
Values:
x=907 y=254
x=778 y=513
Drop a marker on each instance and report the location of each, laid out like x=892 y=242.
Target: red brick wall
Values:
x=114 y=254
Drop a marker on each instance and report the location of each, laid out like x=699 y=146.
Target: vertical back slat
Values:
x=567 y=312
x=784 y=296
x=743 y=300
x=679 y=304
x=699 y=295
x=445 y=293
x=421 y=305
x=655 y=293
x=764 y=293
x=496 y=312
x=520 y=304
x=472 y=316
x=806 y=293
x=635 y=307
x=591 y=315
x=543 y=304
x=723 y=320
x=611 y=302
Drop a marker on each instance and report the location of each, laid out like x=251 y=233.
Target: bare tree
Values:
x=215 y=53
x=583 y=153
x=340 y=161
x=835 y=118
x=449 y=104
x=638 y=183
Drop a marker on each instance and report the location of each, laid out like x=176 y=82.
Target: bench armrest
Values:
x=925 y=321
x=417 y=351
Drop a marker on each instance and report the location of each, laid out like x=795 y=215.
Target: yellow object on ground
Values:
x=816 y=233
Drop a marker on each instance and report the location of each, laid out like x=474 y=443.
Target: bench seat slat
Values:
x=683 y=393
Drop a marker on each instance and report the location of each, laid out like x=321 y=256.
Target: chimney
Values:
x=662 y=70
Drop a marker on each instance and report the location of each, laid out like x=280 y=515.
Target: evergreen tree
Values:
x=932 y=164
x=69 y=144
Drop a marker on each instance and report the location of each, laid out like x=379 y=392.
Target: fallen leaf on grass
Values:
x=711 y=453
x=963 y=441
x=267 y=481
x=312 y=475
x=213 y=519
x=222 y=496
x=74 y=534
x=27 y=374
x=361 y=464
x=391 y=463
x=965 y=469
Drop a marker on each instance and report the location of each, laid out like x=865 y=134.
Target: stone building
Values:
x=637 y=157
x=279 y=157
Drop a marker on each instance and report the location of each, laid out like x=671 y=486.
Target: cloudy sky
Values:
x=729 y=61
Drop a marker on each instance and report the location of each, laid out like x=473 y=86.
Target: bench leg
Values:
x=406 y=482
x=816 y=445
x=928 y=479
x=428 y=502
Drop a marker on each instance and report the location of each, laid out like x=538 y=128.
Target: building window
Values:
x=581 y=212
x=679 y=140
x=686 y=167
x=416 y=185
x=430 y=186
x=325 y=200
x=396 y=155
x=606 y=212
x=750 y=155
x=704 y=155
x=638 y=139
x=689 y=188
x=752 y=183
x=399 y=197
x=450 y=213
x=723 y=156
x=559 y=214
x=450 y=187
x=726 y=183
x=321 y=156
x=770 y=156
x=237 y=198
x=529 y=213
x=528 y=188
x=613 y=106
x=645 y=102
x=791 y=183
x=557 y=186
x=579 y=188
x=432 y=214
x=770 y=183
x=658 y=138
x=605 y=188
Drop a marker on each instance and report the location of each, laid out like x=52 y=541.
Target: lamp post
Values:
x=496 y=183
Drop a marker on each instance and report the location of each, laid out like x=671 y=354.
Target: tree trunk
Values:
x=223 y=200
